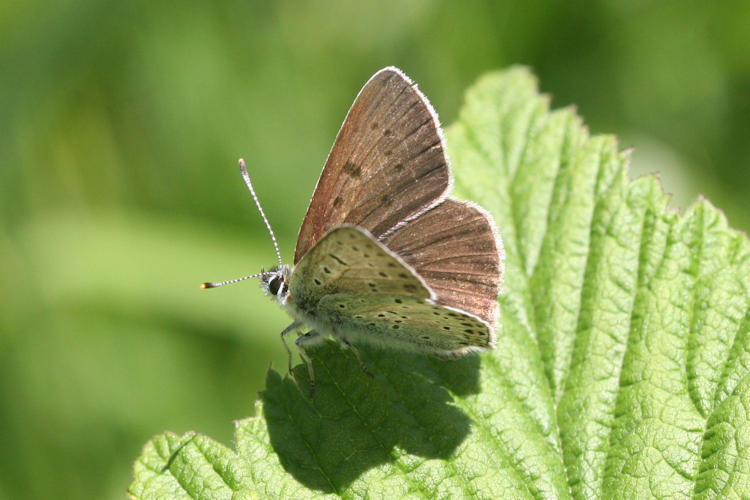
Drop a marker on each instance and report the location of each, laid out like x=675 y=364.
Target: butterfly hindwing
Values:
x=404 y=322
x=454 y=249
x=348 y=260
x=387 y=165
x=364 y=293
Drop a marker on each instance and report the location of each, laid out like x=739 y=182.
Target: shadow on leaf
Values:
x=355 y=422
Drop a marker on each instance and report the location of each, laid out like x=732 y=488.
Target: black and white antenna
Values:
x=217 y=284
x=246 y=177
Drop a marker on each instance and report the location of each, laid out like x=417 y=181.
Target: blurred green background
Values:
x=120 y=127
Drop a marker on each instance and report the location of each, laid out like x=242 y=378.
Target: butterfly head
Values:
x=275 y=282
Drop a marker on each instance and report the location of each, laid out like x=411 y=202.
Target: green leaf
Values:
x=622 y=367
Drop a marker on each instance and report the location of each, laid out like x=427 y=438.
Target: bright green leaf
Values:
x=622 y=367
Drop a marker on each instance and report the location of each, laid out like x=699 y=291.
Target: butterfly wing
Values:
x=349 y=260
x=405 y=322
x=388 y=173
x=364 y=292
x=387 y=165
x=454 y=248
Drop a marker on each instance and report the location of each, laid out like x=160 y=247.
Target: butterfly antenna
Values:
x=246 y=176
x=217 y=284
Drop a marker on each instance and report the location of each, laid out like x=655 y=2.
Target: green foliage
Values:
x=622 y=367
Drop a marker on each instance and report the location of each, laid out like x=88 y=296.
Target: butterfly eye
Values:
x=274 y=284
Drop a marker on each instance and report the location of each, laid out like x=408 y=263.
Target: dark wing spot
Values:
x=317 y=281
x=399 y=167
x=338 y=259
x=391 y=264
x=374 y=125
x=398 y=301
x=352 y=169
x=409 y=287
x=469 y=330
x=337 y=201
x=387 y=132
x=328 y=271
x=402 y=275
x=395 y=327
x=342 y=306
x=446 y=328
x=386 y=200
x=381 y=273
x=355 y=248
x=381 y=315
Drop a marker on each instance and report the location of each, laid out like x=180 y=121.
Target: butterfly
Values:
x=384 y=256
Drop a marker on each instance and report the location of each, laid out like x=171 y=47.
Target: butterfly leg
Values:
x=310 y=338
x=286 y=330
x=362 y=364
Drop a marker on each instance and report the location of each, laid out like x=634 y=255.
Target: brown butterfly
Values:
x=383 y=256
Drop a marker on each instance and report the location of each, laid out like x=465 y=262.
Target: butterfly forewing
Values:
x=348 y=260
x=386 y=166
x=454 y=249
